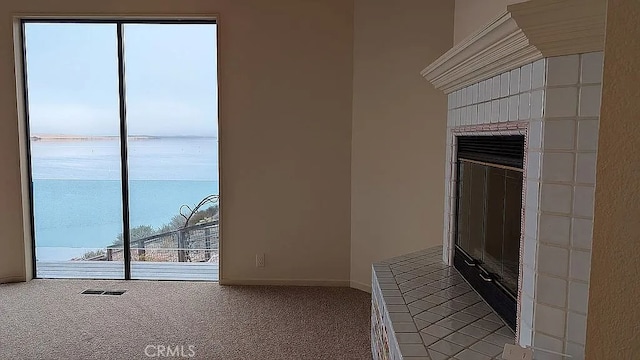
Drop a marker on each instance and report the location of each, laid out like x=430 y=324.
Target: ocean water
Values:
x=77 y=191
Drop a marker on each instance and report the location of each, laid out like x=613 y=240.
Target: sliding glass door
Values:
x=75 y=147
x=172 y=149
x=123 y=149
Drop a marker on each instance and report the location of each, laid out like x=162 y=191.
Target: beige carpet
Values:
x=49 y=319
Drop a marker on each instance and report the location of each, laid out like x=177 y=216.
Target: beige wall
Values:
x=399 y=127
x=285 y=125
x=471 y=15
x=613 y=325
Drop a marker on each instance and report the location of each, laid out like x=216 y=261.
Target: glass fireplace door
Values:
x=488 y=218
x=489 y=213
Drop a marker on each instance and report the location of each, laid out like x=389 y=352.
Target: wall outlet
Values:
x=260 y=260
x=515 y=352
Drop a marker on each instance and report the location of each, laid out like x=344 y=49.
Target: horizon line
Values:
x=72 y=136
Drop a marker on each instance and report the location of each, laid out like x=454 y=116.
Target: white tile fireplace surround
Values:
x=555 y=103
x=536 y=71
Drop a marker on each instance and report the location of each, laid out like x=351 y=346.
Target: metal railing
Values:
x=196 y=243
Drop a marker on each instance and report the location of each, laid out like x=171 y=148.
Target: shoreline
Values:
x=60 y=138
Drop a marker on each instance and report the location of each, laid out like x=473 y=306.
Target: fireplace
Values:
x=522 y=139
x=489 y=217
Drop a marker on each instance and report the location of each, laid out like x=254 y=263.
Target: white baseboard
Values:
x=286 y=282
x=12 y=279
x=361 y=286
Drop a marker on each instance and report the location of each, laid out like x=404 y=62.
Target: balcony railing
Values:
x=196 y=243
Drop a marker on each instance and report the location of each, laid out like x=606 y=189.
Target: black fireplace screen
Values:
x=488 y=222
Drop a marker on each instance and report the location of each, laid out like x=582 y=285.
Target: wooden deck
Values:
x=143 y=270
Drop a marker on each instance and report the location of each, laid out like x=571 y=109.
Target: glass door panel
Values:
x=489 y=219
x=495 y=199
x=477 y=209
x=512 y=229
x=72 y=90
x=171 y=97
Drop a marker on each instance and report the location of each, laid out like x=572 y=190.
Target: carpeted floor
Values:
x=49 y=319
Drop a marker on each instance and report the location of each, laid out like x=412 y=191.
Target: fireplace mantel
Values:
x=525 y=33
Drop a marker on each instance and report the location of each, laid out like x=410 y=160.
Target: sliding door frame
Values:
x=124 y=175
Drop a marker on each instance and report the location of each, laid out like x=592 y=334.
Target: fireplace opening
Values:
x=488 y=218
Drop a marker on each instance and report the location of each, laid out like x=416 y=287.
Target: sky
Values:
x=170 y=77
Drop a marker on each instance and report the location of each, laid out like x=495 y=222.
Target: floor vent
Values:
x=103 y=292
x=115 y=292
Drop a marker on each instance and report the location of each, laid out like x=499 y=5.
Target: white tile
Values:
x=514 y=82
x=456 y=117
x=504 y=109
x=533 y=165
x=488 y=88
x=575 y=350
x=513 y=107
x=464 y=97
x=591 y=69
x=590 y=101
x=561 y=102
x=531 y=223
x=582 y=233
x=459 y=98
x=555 y=198
x=450 y=104
x=525 y=77
x=524 y=107
x=464 y=117
x=557 y=166
x=495 y=90
x=548 y=343
x=469 y=95
x=553 y=260
x=526 y=308
x=538 y=74
x=587 y=135
x=583 y=201
x=578 y=296
x=529 y=282
x=487 y=112
x=474 y=114
x=535 y=135
x=480 y=113
x=530 y=251
x=563 y=70
x=495 y=111
x=548 y=320
x=559 y=135
x=526 y=336
x=551 y=290
x=413 y=350
x=555 y=229
x=474 y=93
x=481 y=88
x=577 y=328
x=580 y=265
x=532 y=194
x=504 y=84
x=537 y=104
x=586 y=168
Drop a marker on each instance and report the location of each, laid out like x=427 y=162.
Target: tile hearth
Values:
x=424 y=309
